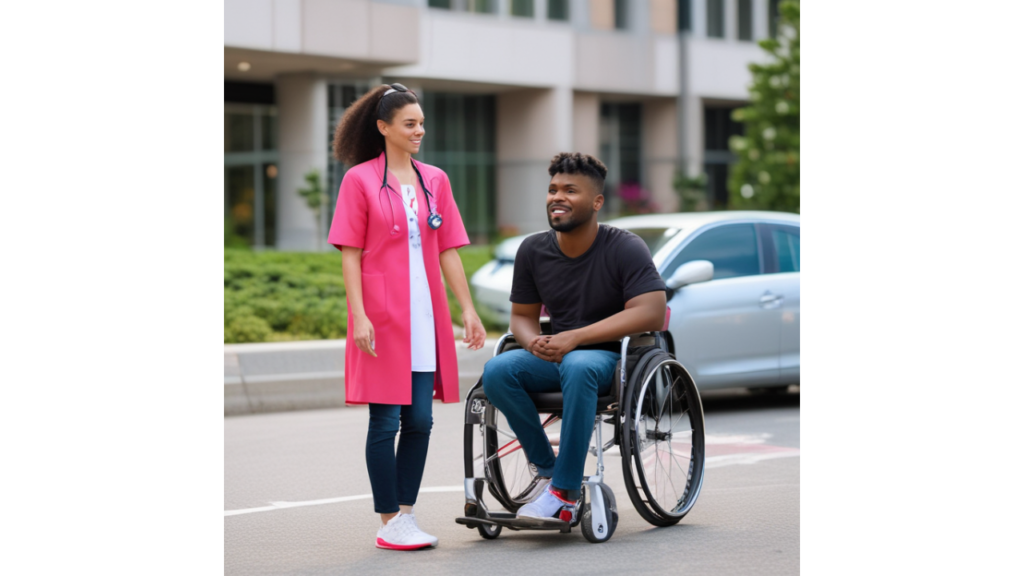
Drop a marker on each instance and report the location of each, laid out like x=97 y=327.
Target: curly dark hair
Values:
x=356 y=139
x=576 y=163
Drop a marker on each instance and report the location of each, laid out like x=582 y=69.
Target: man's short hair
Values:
x=576 y=163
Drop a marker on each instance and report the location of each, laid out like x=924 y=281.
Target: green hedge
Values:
x=275 y=296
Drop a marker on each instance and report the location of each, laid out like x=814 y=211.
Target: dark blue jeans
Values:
x=581 y=377
x=395 y=479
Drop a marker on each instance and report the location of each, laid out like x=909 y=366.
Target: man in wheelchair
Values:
x=599 y=285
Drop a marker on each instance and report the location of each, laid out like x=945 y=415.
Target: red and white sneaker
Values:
x=401 y=533
x=549 y=505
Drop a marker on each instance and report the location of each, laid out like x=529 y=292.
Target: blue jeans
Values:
x=396 y=479
x=582 y=376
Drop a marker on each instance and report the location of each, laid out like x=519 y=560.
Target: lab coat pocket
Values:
x=375 y=297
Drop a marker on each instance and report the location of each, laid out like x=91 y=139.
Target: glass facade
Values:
x=250 y=172
x=522 y=8
x=340 y=95
x=620 y=151
x=684 y=14
x=745 y=19
x=716 y=18
x=460 y=140
x=558 y=9
x=773 y=18
x=718 y=159
x=621 y=14
x=481 y=6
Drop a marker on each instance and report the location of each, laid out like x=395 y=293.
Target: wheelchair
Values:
x=657 y=424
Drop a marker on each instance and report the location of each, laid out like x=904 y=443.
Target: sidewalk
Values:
x=282 y=376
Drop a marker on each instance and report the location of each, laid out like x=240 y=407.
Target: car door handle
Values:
x=768 y=299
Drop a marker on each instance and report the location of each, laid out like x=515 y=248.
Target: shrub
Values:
x=284 y=296
x=246 y=328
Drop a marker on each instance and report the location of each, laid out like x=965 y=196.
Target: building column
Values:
x=586 y=123
x=760 y=23
x=693 y=133
x=532 y=126
x=689 y=108
x=699 y=15
x=731 y=12
x=302 y=146
x=660 y=151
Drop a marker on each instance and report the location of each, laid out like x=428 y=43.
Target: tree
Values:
x=766 y=175
x=692 y=192
x=316 y=198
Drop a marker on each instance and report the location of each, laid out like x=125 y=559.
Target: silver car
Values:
x=734 y=280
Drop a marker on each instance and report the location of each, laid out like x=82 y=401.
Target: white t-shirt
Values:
x=421 y=310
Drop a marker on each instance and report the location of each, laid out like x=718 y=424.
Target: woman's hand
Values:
x=364 y=334
x=474 y=330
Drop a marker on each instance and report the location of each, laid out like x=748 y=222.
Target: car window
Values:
x=655 y=238
x=731 y=248
x=787 y=249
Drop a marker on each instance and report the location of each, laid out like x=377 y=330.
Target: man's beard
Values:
x=568 y=224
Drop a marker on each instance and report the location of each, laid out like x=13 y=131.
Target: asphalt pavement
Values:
x=297 y=501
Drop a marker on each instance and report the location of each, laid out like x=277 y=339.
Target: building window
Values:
x=250 y=174
x=522 y=8
x=745 y=20
x=558 y=10
x=683 y=13
x=718 y=159
x=339 y=97
x=482 y=6
x=621 y=14
x=773 y=18
x=620 y=139
x=460 y=140
x=250 y=164
x=716 y=18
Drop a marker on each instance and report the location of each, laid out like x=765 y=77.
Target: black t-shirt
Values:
x=581 y=291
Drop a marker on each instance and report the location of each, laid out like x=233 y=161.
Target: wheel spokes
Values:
x=664 y=422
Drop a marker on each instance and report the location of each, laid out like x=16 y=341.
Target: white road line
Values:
x=710 y=462
x=734 y=459
x=284 y=505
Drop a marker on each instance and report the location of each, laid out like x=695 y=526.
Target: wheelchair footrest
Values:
x=510 y=521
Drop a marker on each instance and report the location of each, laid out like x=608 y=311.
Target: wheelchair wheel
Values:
x=509 y=473
x=662 y=439
x=601 y=533
x=489 y=531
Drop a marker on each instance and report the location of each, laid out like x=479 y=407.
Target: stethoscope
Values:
x=434 y=220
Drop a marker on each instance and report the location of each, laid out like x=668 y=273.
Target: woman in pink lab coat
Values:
x=398 y=228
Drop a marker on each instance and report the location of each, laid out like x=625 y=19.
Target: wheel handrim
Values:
x=668 y=455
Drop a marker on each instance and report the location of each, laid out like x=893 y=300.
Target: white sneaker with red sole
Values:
x=412 y=517
x=401 y=533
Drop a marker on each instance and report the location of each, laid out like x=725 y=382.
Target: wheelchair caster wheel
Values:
x=489 y=531
x=599 y=534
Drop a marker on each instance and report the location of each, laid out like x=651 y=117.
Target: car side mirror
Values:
x=690 y=273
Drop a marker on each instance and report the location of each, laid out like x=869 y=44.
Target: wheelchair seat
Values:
x=551 y=402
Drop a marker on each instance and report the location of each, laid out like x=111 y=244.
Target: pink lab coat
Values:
x=366 y=218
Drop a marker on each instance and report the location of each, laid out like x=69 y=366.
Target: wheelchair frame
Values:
x=602 y=511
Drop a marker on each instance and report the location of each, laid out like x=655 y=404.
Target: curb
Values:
x=284 y=376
